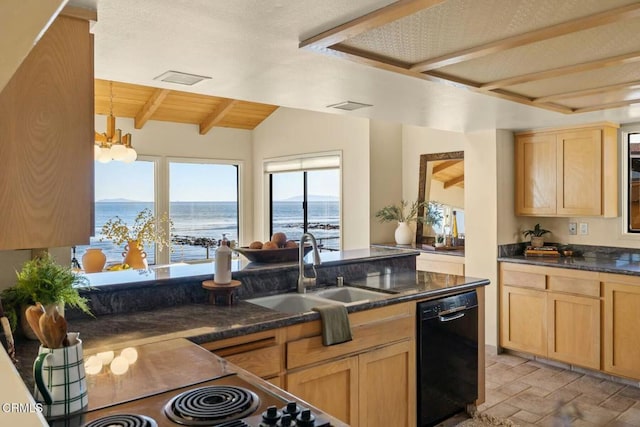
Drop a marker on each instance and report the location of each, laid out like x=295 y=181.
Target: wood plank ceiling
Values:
x=567 y=56
x=449 y=172
x=144 y=103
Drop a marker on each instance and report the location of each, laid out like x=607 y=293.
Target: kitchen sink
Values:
x=348 y=294
x=290 y=303
x=301 y=303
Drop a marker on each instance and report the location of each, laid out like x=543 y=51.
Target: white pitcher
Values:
x=60 y=383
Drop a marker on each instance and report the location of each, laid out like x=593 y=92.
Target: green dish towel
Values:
x=335 y=323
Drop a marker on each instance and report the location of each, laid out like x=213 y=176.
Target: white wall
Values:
x=289 y=132
x=386 y=182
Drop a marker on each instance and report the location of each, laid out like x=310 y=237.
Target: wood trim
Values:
x=579 y=24
x=150 y=107
x=79 y=13
x=607 y=106
x=372 y=20
x=271 y=336
x=628 y=58
x=217 y=115
x=586 y=92
x=564 y=128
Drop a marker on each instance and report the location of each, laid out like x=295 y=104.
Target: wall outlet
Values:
x=573 y=228
x=584 y=228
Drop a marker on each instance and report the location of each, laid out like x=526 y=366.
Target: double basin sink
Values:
x=301 y=303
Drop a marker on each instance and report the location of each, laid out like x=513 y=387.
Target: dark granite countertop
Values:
x=422 y=249
x=623 y=263
x=202 y=323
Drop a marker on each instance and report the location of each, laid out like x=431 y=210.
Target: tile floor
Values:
x=532 y=393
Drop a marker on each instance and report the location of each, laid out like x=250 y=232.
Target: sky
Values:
x=199 y=182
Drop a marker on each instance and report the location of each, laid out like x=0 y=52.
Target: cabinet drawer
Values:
x=310 y=350
x=439 y=266
x=575 y=285
x=264 y=362
x=523 y=279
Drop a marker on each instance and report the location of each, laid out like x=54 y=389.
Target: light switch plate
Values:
x=573 y=228
x=584 y=228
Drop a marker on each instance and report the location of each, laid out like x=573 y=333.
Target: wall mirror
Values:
x=441 y=180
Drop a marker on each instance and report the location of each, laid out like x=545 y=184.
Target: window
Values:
x=304 y=196
x=203 y=204
x=633 y=189
x=121 y=189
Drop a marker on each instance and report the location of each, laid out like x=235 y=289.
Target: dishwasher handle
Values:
x=454 y=316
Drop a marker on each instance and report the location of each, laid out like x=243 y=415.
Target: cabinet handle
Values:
x=450 y=318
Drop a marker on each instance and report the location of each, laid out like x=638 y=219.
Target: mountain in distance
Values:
x=117 y=200
x=312 y=198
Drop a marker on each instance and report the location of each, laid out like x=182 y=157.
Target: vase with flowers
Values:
x=146 y=229
x=404 y=214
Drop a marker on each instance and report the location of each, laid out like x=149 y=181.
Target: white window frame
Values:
x=293 y=160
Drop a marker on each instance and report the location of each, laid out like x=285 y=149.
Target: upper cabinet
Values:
x=567 y=172
x=46 y=142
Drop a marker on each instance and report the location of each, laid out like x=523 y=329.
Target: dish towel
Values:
x=335 y=323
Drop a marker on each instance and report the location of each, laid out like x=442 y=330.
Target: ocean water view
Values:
x=196 y=223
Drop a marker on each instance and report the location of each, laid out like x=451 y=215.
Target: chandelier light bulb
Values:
x=130 y=156
x=105 y=155
x=118 y=152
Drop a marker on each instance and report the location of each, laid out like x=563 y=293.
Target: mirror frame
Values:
x=422 y=184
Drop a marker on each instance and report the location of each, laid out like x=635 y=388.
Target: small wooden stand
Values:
x=221 y=294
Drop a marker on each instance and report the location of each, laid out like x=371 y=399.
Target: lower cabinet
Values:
x=439 y=263
x=332 y=387
x=622 y=327
x=552 y=313
x=376 y=388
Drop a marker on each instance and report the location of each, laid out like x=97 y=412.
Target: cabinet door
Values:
x=622 y=329
x=46 y=142
x=574 y=329
x=535 y=174
x=523 y=320
x=579 y=169
x=331 y=387
x=388 y=386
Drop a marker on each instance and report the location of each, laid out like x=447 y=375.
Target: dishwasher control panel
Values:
x=448 y=304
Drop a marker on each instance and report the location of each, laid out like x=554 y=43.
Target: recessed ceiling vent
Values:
x=349 y=105
x=180 y=78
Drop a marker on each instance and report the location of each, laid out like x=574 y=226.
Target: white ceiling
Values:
x=250 y=49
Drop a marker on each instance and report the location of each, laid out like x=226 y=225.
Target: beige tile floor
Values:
x=532 y=393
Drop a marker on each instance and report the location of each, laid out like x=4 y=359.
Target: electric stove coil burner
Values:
x=123 y=420
x=211 y=405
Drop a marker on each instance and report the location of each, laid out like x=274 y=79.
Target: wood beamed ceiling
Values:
x=449 y=172
x=144 y=103
x=570 y=57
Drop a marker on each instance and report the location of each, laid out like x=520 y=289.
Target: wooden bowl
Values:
x=271 y=255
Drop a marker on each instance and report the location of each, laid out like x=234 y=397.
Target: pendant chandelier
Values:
x=112 y=145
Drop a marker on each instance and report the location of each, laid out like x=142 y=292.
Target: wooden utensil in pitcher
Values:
x=33 y=314
x=53 y=328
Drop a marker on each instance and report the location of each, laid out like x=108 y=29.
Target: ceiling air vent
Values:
x=180 y=78
x=349 y=105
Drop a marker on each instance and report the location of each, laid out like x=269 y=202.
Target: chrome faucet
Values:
x=304 y=282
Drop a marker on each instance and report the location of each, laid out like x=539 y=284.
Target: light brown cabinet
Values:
x=622 y=326
x=46 y=142
x=553 y=313
x=369 y=381
x=438 y=263
x=567 y=172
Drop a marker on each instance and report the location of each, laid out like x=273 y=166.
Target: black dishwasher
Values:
x=447 y=352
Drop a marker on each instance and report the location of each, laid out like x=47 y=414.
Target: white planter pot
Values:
x=404 y=234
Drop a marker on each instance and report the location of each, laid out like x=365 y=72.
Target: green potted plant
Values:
x=403 y=214
x=536 y=234
x=47 y=282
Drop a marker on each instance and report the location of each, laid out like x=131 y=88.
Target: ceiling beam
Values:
x=150 y=107
x=367 y=22
x=579 y=24
x=587 y=92
x=445 y=165
x=614 y=61
x=607 y=106
x=454 y=181
x=216 y=115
